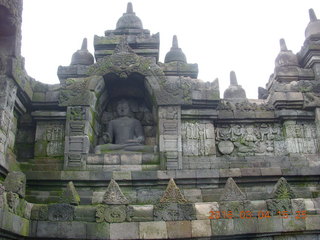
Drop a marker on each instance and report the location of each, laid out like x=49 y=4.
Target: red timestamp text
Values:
x=259 y=215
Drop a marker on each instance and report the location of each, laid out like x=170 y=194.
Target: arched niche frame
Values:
x=126 y=75
x=87 y=98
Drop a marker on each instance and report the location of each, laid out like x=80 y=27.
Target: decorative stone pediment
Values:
x=232 y=192
x=124 y=62
x=282 y=190
x=70 y=195
x=114 y=194
x=172 y=194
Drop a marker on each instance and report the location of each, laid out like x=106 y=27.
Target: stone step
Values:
x=47 y=167
x=123 y=159
x=139 y=167
x=47 y=160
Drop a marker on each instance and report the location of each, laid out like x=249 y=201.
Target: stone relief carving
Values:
x=198 y=139
x=111 y=214
x=301 y=137
x=77 y=113
x=248 y=139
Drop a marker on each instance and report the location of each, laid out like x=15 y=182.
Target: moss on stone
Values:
x=39 y=97
x=40 y=148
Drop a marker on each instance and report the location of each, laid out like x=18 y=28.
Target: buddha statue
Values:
x=123 y=133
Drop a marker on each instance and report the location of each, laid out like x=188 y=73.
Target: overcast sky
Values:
x=219 y=35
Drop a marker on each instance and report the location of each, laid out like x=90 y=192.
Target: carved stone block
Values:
x=174 y=212
x=198 y=139
x=60 y=212
x=112 y=214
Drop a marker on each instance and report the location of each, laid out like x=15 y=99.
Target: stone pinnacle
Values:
x=312 y=15
x=233 y=79
x=84 y=45
x=129 y=8
x=175 y=42
x=283 y=46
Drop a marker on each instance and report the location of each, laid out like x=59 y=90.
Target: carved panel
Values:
x=198 y=139
x=301 y=137
x=77 y=113
x=248 y=139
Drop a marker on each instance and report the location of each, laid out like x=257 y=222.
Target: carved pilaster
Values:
x=77 y=142
x=170 y=135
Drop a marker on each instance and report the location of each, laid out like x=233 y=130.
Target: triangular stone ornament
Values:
x=232 y=192
x=123 y=47
x=172 y=194
x=282 y=190
x=70 y=195
x=114 y=195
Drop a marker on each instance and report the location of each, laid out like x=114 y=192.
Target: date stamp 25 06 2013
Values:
x=249 y=214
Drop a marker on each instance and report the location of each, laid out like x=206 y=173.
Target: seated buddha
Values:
x=123 y=133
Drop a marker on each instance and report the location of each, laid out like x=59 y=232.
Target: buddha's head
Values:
x=123 y=108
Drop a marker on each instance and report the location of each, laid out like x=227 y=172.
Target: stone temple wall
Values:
x=128 y=147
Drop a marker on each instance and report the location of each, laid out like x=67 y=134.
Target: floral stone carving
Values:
x=112 y=214
x=172 y=194
x=282 y=190
x=114 y=194
x=232 y=192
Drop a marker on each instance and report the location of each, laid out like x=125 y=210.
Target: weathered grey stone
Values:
x=111 y=159
x=153 y=230
x=60 y=212
x=232 y=192
x=12 y=201
x=27 y=210
x=222 y=227
x=140 y=213
x=131 y=159
x=293 y=224
x=193 y=195
x=73 y=230
x=268 y=225
x=124 y=230
x=272 y=171
x=203 y=209
x=16 y=182
x=98 y=230
x=245 y=225
x=114 y=194
x=179 y=229
x=70 y=195
x=121 y=175
x=231 y=172
x=85 y=213
x=39 y=212
x=313 y=222
x=200 y=228
x=149 y=195
x=2 y=200
x=174 y=212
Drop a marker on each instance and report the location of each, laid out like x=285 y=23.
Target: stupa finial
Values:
x=283 y=46
x=129 y=7
x=175 y=42
x=233 y=79
x=312 y=15
x=84 y=45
